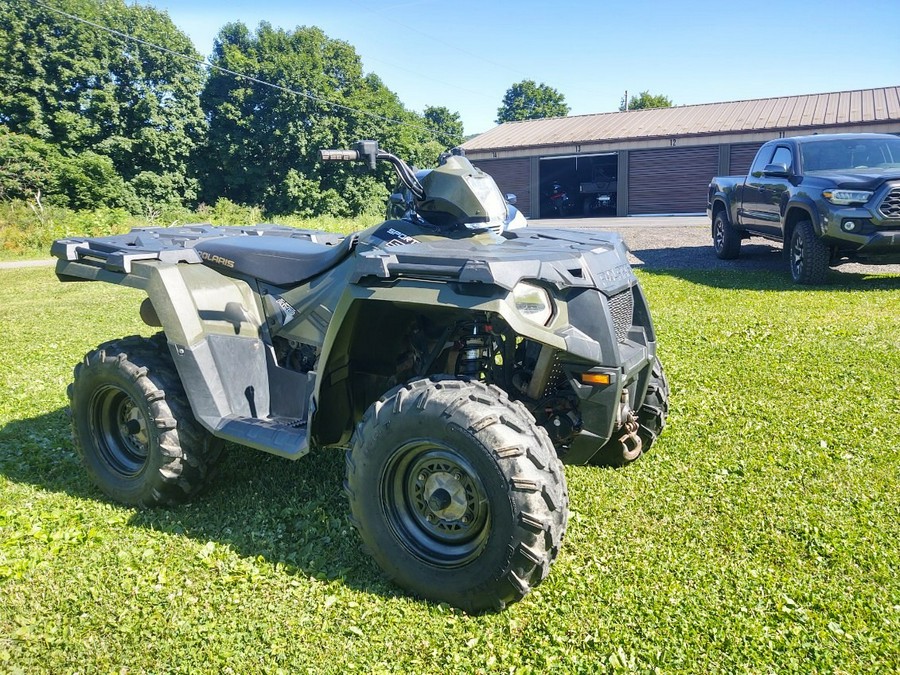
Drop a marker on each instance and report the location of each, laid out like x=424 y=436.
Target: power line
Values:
x=233 y=73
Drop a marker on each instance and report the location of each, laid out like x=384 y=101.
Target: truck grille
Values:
x=621 y=306
x=890 y=205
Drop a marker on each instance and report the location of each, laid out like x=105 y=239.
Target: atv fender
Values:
x=212 y=324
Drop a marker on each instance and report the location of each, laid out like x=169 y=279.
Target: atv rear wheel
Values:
x=133 y=427
x=651 y=421
x=457 y=493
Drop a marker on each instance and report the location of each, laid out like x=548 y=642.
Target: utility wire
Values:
x=233 y=73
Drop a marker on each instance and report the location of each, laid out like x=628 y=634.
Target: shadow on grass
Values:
x=288 y=513
x=759 y=267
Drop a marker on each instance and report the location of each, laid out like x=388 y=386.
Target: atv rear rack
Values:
x=116 y=253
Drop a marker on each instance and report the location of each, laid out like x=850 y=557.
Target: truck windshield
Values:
x=843 y=154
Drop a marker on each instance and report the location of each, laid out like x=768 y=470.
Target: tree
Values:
x=36 y=171
x=448 y=126
x=83 y=89
x=645 y=100
x=263 y=141
x=528 y=101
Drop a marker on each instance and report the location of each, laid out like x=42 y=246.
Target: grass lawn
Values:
x=761 y=534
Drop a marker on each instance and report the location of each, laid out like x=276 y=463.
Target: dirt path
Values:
x=16 y=264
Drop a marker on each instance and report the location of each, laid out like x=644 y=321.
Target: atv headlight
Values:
x=847 y=196
x=533 y=302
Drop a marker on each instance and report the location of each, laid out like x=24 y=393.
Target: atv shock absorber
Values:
x=475 y=350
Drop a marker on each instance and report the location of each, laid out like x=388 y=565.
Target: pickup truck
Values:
x=829 y=199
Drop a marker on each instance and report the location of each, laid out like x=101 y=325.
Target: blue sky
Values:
x=465 y=54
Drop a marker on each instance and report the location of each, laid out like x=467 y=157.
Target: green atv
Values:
x=457 y=361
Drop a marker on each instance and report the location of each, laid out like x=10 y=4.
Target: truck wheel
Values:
x=651 y=421
x=133 y=426
x=726 y=240
x=457 y=493
x=809 y=255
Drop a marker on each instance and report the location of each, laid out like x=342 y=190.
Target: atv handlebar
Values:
x=368 y=151
x=339 y=155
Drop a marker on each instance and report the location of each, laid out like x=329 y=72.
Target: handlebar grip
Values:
x=338 y=155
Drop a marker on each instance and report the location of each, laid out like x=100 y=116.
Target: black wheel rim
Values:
x=436 y=504
x=120 y=431
x=719 y=238
x=797 y=255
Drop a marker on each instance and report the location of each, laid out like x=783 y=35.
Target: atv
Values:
x=458 y=362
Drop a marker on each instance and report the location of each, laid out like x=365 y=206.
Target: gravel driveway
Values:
x=684 y=242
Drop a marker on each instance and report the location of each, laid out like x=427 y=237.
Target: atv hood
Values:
x=561 y=258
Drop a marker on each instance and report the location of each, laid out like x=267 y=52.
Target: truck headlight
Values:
x=847 y=196
x=533 y=302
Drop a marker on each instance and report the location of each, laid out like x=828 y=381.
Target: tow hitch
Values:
x=628 y=438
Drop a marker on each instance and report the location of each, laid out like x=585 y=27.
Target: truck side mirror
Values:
x=510 y=198
x=777 y=170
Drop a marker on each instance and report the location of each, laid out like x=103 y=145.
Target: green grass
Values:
x=761 y=534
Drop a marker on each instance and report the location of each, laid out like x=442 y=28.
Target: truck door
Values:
x=764 y=194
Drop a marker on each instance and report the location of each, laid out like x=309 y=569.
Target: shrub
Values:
x=29 y=228
x=226 y=212
x=33 y=170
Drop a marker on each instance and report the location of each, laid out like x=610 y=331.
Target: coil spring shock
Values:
x=475 y=351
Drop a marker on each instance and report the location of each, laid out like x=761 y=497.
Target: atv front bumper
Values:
x=616 y=384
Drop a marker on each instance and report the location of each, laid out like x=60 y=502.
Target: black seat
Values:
x=276 y=260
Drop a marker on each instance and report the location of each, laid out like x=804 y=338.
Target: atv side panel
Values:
x=214 y=327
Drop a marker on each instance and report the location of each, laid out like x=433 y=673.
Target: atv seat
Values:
x=276 y=260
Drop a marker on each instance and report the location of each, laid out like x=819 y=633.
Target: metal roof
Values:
x=765 y=114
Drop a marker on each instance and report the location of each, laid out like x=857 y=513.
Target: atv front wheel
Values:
x=133 y=426
x=651 y=421
x=457 y=493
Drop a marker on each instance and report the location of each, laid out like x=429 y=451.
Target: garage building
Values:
x=660 y=161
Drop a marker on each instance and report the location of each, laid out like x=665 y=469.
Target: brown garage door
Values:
x=742 y=157
x=670 y=180
x=512 y=176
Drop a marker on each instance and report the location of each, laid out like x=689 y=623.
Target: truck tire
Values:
x=133 y=427
x=726 y=240
x=457 y=493
x=809 y=255
x=651 y=421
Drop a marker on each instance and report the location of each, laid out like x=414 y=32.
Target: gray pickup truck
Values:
x=828 y=198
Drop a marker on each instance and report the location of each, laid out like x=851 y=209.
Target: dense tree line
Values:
x=89 y=118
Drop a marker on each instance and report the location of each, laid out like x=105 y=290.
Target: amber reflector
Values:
x=595 y=378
